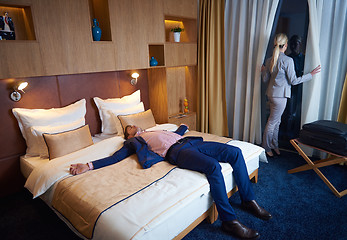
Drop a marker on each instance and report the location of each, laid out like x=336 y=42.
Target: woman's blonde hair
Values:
x=280 y=40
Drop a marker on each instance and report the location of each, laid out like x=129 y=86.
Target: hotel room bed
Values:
x=167 y=208
x=123 y=200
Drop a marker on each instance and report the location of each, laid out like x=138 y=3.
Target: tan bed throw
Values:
x=82 y=198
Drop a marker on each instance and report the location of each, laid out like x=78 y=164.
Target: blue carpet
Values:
x=302 y=205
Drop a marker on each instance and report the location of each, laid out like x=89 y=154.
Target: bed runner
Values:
x=82 y=198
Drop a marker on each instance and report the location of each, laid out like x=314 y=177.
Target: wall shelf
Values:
x=22 y=19
x=188 y=24
x=157 y=51
x=99 y=9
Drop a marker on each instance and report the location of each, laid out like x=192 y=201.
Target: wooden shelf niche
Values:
x=22 y=20
x=188 y=24
x=99 y=9
x=157 y=51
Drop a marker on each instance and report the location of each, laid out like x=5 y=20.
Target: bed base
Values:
x=211 y=214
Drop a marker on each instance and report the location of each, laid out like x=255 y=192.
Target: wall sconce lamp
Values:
x=134 y=76
x=16 y=95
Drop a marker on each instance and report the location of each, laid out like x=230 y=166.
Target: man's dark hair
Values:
x=126 y=134
x=293 y=41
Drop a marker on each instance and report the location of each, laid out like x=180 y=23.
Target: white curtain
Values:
x=248 y=26
x=327 y=46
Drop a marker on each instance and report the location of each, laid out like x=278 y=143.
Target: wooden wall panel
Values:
x=158 y=94
x=50 y=33
x=63 y=30
x=182 y=8
x=135 y=24
x=20 y=59
x=191 y=87
x=78 y=36
x=64 y=45
x=176 y=86
x=102 y=56
x=180 y=54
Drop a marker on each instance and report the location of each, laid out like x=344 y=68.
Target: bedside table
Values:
x=186 y=118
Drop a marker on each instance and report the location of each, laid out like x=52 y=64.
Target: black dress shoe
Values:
x=236 y=229
x=256 y=210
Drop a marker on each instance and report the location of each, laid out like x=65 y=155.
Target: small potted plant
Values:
x=177 y=33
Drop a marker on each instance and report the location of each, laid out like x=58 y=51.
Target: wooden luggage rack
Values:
x=314 y=165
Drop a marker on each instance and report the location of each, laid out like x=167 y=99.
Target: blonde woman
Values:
x=280 y=74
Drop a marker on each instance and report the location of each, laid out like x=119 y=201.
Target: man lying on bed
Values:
x=194 y=154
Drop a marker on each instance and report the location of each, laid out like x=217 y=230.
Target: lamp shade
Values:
x=135 y=75
x=22 y=85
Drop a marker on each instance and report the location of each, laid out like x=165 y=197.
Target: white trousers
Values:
x=270 y=137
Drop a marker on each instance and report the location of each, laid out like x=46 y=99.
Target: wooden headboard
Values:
x=56 y=91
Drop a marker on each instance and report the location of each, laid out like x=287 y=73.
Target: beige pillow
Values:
x=143 y=120
x=37 y=131
x=60 y=144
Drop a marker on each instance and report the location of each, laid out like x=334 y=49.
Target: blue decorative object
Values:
x=153 y=62
x=96 y=30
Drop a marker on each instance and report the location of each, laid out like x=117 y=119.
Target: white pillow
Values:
x=28 y=118
x=112 y=125
x=116 y=104
x=165 y=126
x=37 y=131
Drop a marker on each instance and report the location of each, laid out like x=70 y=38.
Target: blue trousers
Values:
x=204 y=157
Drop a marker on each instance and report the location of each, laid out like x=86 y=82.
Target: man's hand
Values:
x=78 y=168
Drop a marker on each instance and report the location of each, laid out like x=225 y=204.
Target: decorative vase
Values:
x=177 y=36
x=96 y=30
x=153 y=62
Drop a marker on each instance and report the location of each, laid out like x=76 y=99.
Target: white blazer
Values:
x=282 y=77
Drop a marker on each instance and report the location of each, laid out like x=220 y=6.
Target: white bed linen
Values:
x=164 y=215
